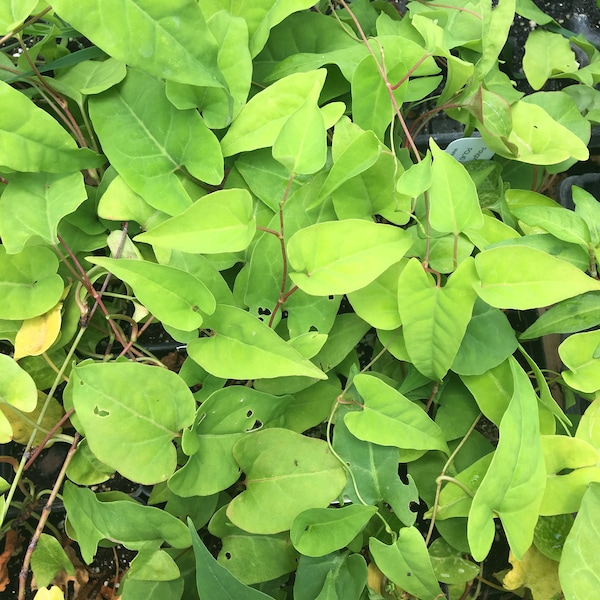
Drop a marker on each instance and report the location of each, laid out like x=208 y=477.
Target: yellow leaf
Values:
x=22 y=423
x=54 y=593
x=536 y=572
x=38 y=333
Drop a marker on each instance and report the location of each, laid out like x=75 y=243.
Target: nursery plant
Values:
x=356 y=402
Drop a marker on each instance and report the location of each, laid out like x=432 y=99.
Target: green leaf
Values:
x=252 y=558
x=18 y=390
x=147 y=139
x=448 y=564
x=220 y=106
x=514 y=483
x=145 y=405
x=213 y=580
x=435 y=318
x=286 y=470
x=338 y=257
x=151 y=564
x=407 y=564
x=589 y=425
x=550 y=535
x=93 y=77
x=225 y=417
x=262 y=118
x=454 y=204
x=29 y=284
x=547 y=54
x=454 y=501
x=219 y=222
x=568 y=316
x=353 y=151
x=377 y=303
x=520 y=277
x=12 y=14
x=48 y=560
x=496 y=28
x=170 y=42
x=120 y=520
x=175 y=297
x=579 y=355
x=33 y=204
x=33 y=141
x=330 y=577
x=476 y=355
x=319 y=531
x=560 y=222
x=242 y=347
x=371 y=105
x=578 y=570
x=375 y=470
x=588 y=208
x=536 y=138
x=301 y=145
x=390 y=419
x=570 y=467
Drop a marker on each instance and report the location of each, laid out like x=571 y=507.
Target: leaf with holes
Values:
x=146 y=405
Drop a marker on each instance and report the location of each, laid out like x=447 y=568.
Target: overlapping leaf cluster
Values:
x=244 y=175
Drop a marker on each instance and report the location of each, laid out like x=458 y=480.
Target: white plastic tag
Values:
x=466 y=149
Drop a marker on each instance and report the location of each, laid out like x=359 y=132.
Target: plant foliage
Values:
x=249 y=180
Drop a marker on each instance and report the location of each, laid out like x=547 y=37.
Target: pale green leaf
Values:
x=284 y=470
x=435 y=318
x=17 y=389
x=579 y=355
x=547 y=54
x=571 y=464
x=33 y=141
x=261 y=119
x=454 y=204
x=146 y=139
x=338 y=257
x=29 y=283
x=224 y=418
x=319 y=531
x=119 y=519
x=377 y=303
x=12 y=14
x=578 y=570
x=33 y=204
x=49 y=559
x=175 y=297
x=589 y=426
x=536 y=138
x=520 y=277
x=93 y=77
x=219 y=222
x=389 y=418
x=242 y=347
x=514 y=484
x=407 y=563
x=301 y=145
x=560 y=222
x=170 y=41
x=146 y=405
